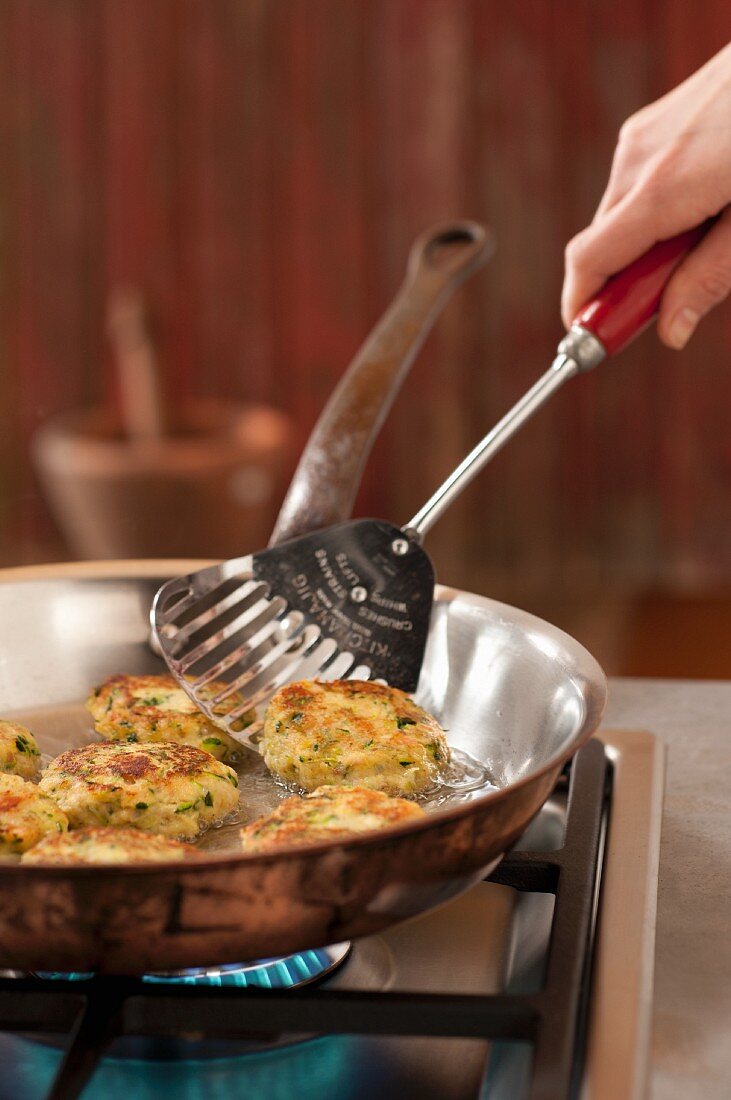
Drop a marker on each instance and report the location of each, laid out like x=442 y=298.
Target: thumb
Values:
x=698 y=284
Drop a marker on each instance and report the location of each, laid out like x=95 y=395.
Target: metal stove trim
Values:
x=620 y=1014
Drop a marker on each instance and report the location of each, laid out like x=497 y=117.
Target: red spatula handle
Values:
x=628 y=302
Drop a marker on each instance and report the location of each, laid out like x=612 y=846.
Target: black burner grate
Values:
x=553 y=1020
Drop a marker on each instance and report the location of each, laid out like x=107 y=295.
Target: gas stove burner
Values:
x=286 y=972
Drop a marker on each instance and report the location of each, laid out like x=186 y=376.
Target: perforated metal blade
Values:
x=352 y=601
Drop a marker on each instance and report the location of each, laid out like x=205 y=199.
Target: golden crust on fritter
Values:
x=26 y=815
x=19 y=753
x=169 y=789
x=326 y=814
x=351 y=732
x=106 y=845
x=156 y=708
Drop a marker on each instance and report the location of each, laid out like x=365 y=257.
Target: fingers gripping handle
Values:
x=328 y=475
x=629 y=301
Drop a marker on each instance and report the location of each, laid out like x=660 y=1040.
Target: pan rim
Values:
x=146 y=568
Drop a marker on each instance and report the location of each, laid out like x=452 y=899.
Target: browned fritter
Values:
x=352 y=732
x=165 y=788
x=107 y=845
x=19 y=753
x=156 y=708
x=26 y=815
x=326 y=814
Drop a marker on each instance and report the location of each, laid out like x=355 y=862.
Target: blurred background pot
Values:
x=211 y=487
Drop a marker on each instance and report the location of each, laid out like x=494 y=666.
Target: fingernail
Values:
x=682 y=327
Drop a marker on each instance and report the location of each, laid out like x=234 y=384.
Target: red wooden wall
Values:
x=260 y=167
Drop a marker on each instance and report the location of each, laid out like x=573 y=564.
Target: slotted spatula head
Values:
x=352 y=601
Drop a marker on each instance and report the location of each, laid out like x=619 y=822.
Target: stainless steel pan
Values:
x=513 y=691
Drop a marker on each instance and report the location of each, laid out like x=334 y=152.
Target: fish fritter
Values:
x=352 y=733
x=156 y=708
x=26 y=815
x=105 y=845
x=326 y=814
x=173 y=790
x=19 y=753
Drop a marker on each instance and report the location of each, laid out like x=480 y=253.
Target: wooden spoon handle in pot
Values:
x=329 y=472
x=144 y=415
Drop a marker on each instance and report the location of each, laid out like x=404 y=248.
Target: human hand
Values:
x=671 y=171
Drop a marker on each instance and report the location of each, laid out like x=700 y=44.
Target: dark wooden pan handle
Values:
x=329 y=472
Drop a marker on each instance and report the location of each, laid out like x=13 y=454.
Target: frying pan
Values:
x=514 y=692
x=511 y=690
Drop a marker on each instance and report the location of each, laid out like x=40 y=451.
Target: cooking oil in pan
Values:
x=62 y=727
x=464 y=779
